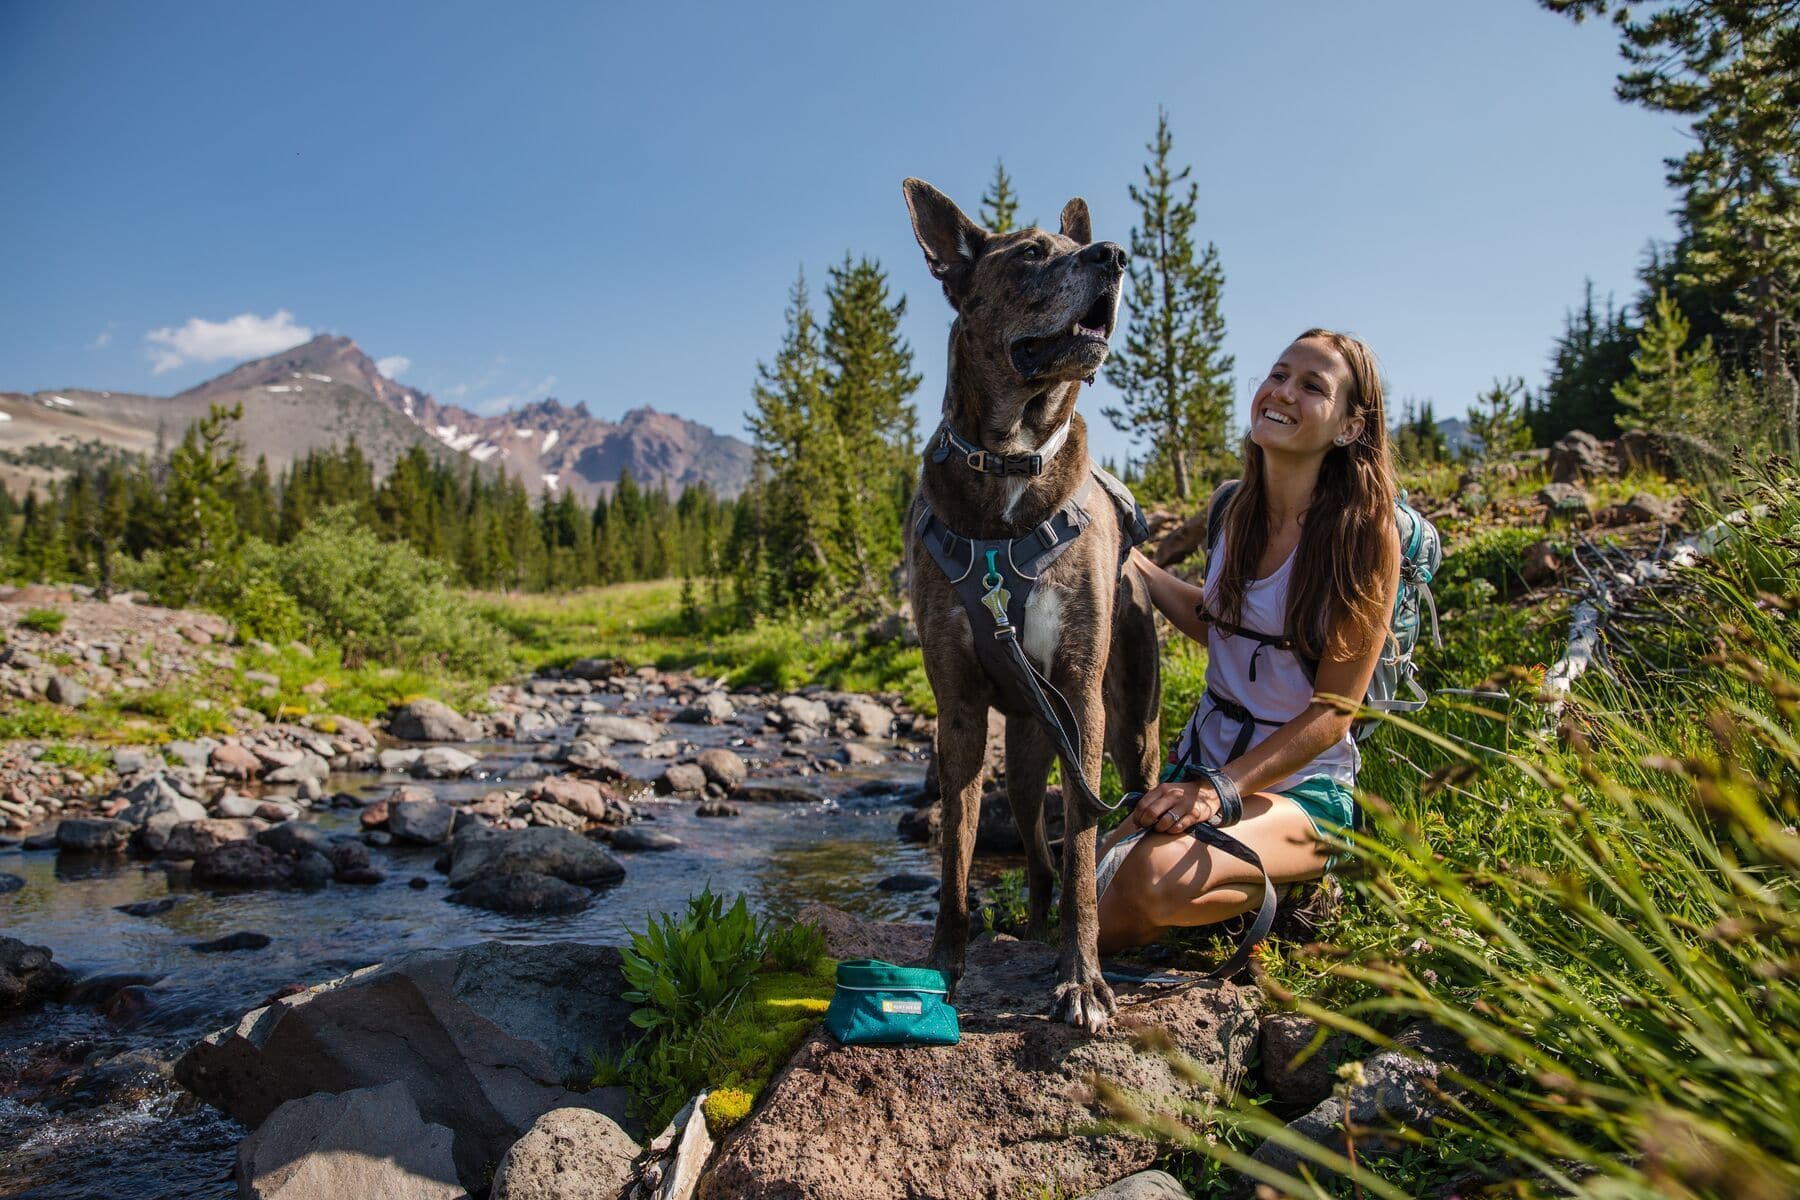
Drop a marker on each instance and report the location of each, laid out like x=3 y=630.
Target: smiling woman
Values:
x=1295 y=607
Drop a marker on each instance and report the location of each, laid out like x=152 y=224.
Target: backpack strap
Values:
x=1215 y=511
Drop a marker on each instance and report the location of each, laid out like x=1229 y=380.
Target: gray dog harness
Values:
x=994 y=579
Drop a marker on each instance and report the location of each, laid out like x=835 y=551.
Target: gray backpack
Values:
x=1421 y=554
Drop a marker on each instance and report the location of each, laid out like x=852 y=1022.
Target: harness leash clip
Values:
x=977 y=460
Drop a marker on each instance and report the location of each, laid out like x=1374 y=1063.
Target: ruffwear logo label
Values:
x=911 y=1007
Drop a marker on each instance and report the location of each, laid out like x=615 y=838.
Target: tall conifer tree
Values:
x=1172 y=370
x=999 y=204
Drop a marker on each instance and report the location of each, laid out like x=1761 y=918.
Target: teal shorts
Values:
x=1328 y=804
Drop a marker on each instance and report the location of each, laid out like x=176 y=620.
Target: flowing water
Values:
x=86 y=1110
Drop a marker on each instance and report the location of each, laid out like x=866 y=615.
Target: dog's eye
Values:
x=1032 y=252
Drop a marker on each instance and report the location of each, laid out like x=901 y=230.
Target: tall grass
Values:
x=1607 y=915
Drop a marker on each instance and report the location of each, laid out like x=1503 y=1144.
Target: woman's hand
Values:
x=1175 y=807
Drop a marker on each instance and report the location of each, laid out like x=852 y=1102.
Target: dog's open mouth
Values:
x=1086 y=336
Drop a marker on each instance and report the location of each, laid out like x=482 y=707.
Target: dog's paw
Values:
x=1088 y=1005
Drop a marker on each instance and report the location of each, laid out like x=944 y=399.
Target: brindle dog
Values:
x=1033 y=314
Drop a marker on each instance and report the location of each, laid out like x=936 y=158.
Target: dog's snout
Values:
x=1109 y=255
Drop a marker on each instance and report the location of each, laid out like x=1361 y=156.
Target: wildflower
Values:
x=1430 y=975
x=1420 y=946
x=1352 y=1073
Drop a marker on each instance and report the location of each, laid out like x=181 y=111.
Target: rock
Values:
x=555 y=816
x=313 y=870
x=636 y=837
x=1145 y=1185
x=773 y=793
x=10 y=884
x=428 y=720
x=557 y=852
x=234 y=805
x=426 y=822
x=1579 y=456
x=1643 y=507
x=1181 y=541
x=1401 y=1087
x=1539 y=564
x=709 y=708
x=579 y=797
x=567 y=1154
x=1284 y=1036
x=1565 y=499
x=666 y=748
x=92 y=835
x=991 y=1116
x=129 y=760
x=149 y=908
x=364 y=1142
x=908 y=882
x=63 y=690
x=857 y=754
x=398 y=762
x=723 y=767
x=798 y=712
x=155 y=810
x=921 y=824
x=294 y=839
x=28 y=976
x=277 y=811
x=869 y=719
x=310 y=769
x=443 y=762
x=483 y=1039
x=717 y=808
x=347 y=857
x=191 y=839
x=523 y=892
x=621 y=729
x=681 y=779
x=244 y=940
x=243 y=864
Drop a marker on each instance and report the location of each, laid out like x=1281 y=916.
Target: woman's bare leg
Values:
x=1176 y=879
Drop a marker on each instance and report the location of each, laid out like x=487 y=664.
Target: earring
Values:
x=1340 y=441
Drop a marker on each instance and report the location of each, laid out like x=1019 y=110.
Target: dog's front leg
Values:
x=961 y=750
x=1082 y=997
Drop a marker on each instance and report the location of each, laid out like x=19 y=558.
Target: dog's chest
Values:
x=1043 y=625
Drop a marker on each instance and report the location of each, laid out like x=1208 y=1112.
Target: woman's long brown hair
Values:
x=1337 y=597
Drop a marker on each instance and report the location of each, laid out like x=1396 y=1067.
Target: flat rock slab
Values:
x=485 y=1040
x=367 y=1142
x=1004 y=1113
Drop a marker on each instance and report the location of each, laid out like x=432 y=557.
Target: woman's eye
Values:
x=1313 y=387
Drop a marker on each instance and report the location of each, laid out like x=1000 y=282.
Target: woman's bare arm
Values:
x=1175 y=598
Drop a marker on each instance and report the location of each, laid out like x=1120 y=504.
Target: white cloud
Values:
x=393 y=366
x=101 y=338
x=243 y=336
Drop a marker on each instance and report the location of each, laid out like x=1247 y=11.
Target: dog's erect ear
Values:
x=1075 y=222
x=950 y=240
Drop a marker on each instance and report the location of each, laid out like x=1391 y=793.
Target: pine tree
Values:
x=1734 y=67
x=868 y=390
x=999 y=204
x=798 y=445
x=1172 y=371
x=1498 y=419
x=1668 y=387
x=1593 y=354
x=203 y=559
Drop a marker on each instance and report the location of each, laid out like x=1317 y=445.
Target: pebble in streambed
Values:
x=242 y=940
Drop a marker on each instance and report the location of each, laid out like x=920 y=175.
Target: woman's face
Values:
x=1303 y=407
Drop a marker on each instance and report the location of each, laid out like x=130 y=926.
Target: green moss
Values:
x=44 y=620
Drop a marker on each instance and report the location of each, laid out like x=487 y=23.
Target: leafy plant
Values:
x=44 y=620
x=681 y=971
x=798 y=948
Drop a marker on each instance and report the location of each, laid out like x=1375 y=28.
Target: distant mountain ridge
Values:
x=328 y=390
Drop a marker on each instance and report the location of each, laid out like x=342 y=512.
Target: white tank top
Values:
x=1280 y=691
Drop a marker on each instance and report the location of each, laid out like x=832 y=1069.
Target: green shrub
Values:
x=383 y=601
x=1494 y=555
x=681 y=971
x=44 y=620
x=798 y=948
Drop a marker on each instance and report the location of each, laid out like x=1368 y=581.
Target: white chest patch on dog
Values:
x=1043 y=626
x=1015 y=492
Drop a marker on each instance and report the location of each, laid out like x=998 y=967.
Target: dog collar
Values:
x=988 y=462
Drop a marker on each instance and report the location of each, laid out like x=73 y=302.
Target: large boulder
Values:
x=621 y=729
x=194 y=839
x=523 y=892
x=478 y=853
x=245 y=864
x=426 y=822
x=428 y=720
x=1579 y=456
x=92 y=835
x=484 y=1039
x=366 y=1142
x=569 y=1154
x=1005 y=1112
x=28 y=977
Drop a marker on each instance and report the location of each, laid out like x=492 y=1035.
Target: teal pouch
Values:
x=879 y=1004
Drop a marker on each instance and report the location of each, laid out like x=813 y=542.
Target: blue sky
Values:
x=608 y=203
